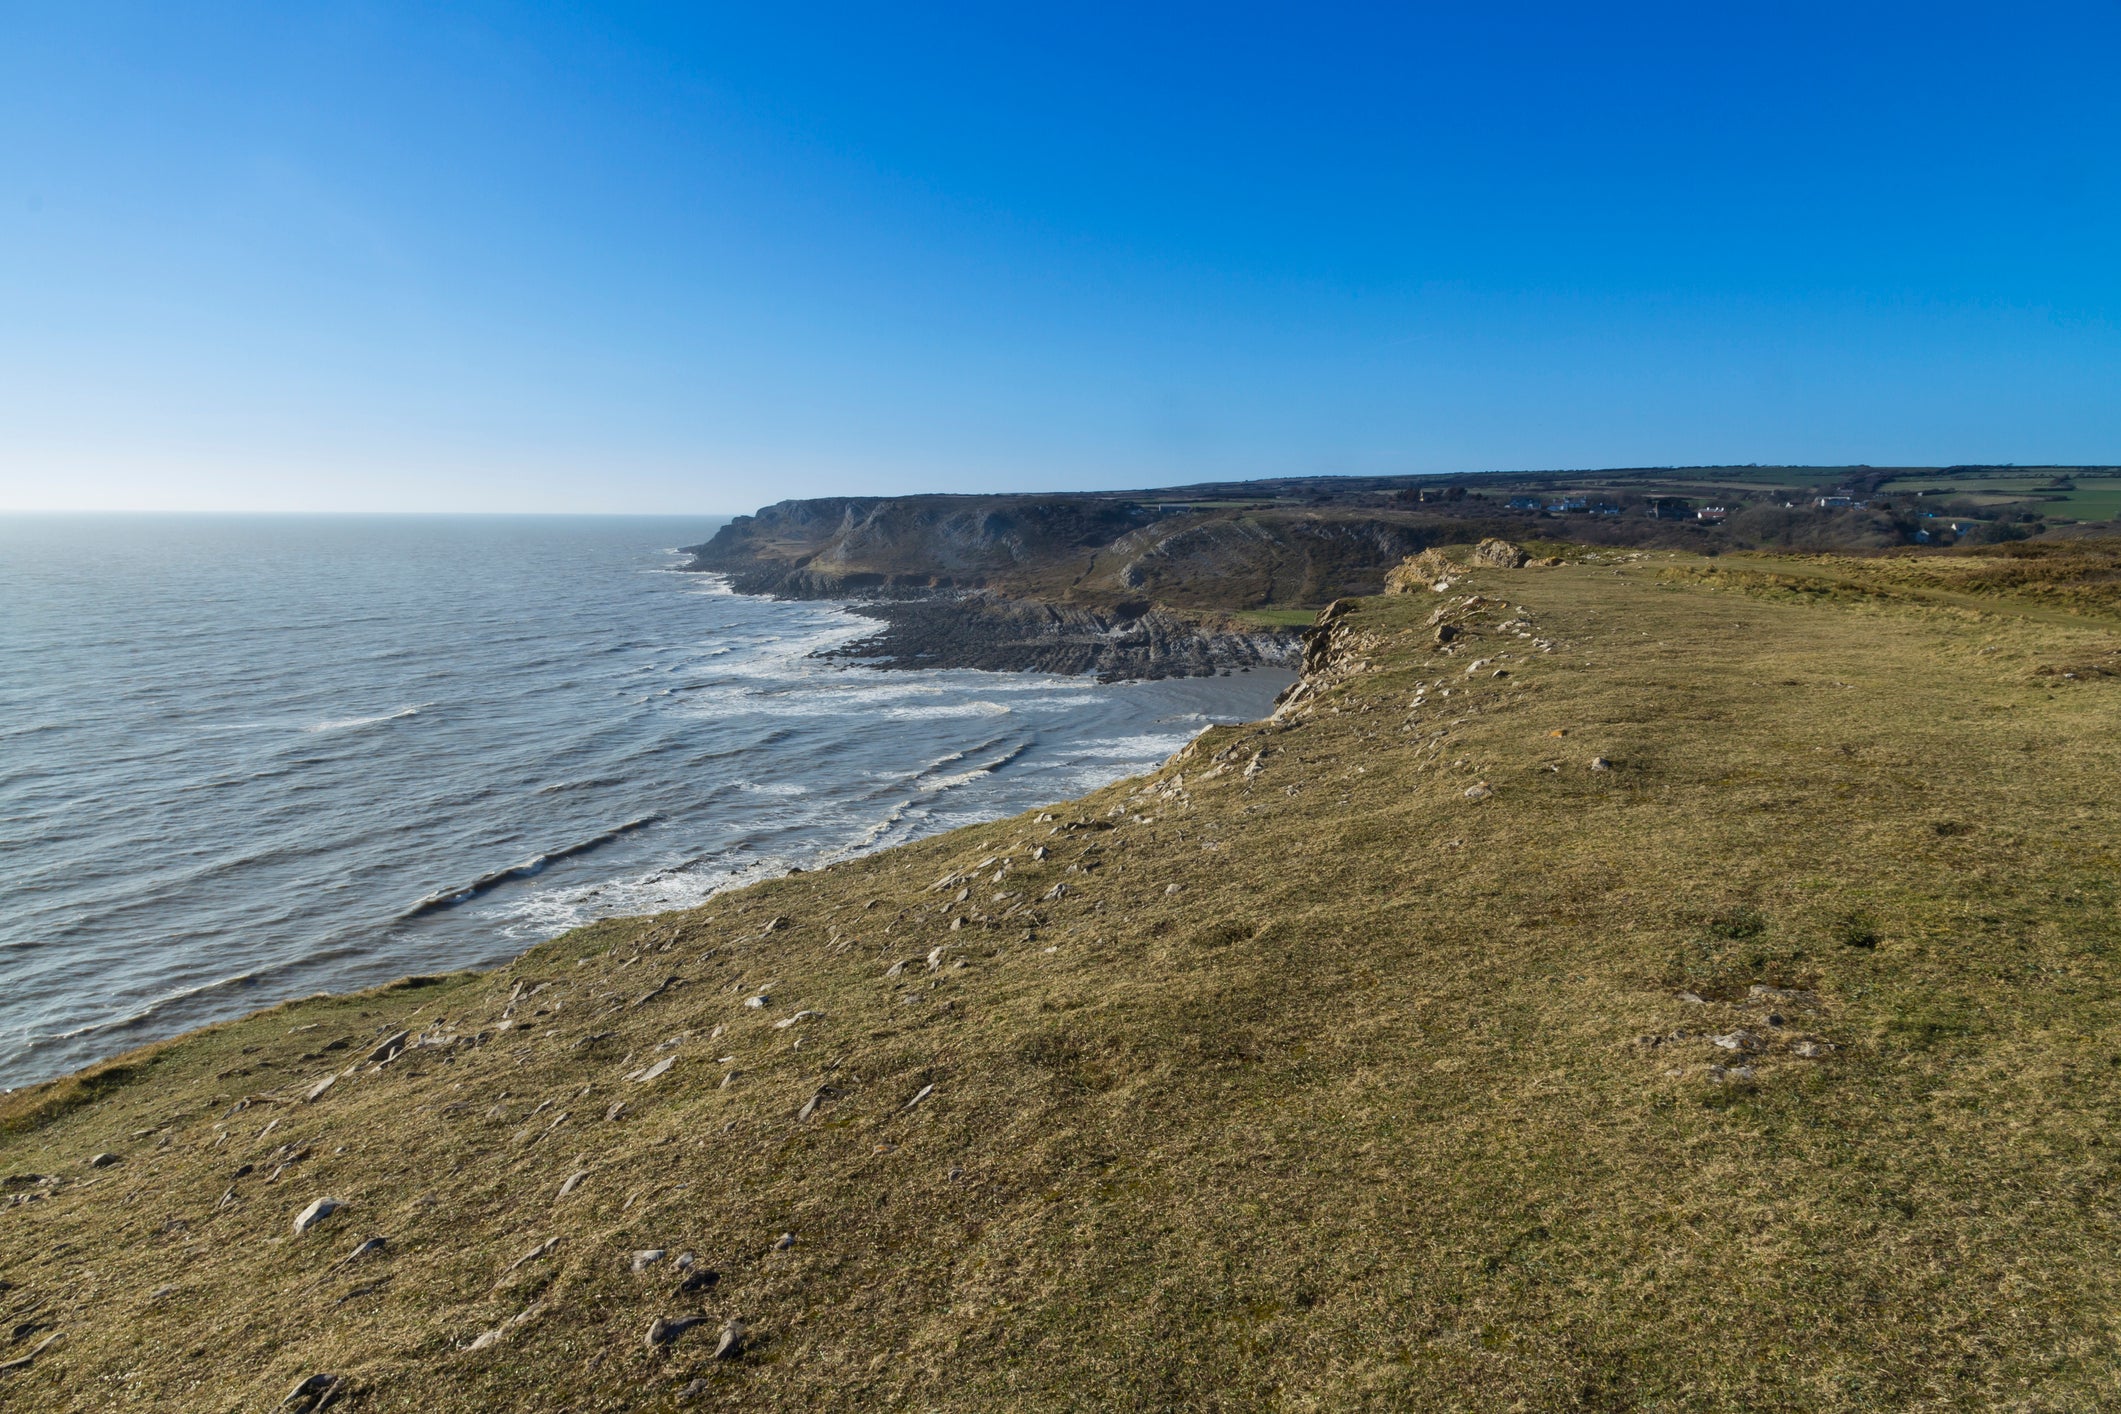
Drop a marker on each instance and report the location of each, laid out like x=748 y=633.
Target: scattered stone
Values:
x=1170 y=889
x=758 y=1001
x=543 y=1249
x=315 y=1213
x=773 y=925
x=1723 y=1075
x=1479 y=791
x=618 y=1107
x=574 y=1181
x=1737 y=1041
x=1811 y=1050
x=103 y=1161
x=935 y=954
x=729 y=1079
x=699 y=1281
x=925 y=1092
x=1693 y=998
x=312 y=1392
x=1058 y=891
x=316 y=1091
x=785 y=1022
x=692 y=1391
x=656 y=991
x=368 y=1248
x=898 y=968
x=391 y=1046
x=494 y=1336
x=646 y=1258
x=648 y=1073
x=23 y=1362
x=662 y=1331
x=810 y=1106
x=731 y=1344
x=1599 y=763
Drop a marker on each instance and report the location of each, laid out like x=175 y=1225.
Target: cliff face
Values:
x=1618 y=984
x=836 y=546
x=1094 y=551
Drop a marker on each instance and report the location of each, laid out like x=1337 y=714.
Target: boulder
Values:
x=1417 y=573
x=1498 y=554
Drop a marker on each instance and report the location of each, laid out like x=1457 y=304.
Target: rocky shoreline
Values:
x=1013 y=635
x=926 y=628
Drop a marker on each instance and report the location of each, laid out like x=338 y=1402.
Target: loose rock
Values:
x=315 y=1213
x=647 y=1258
x=23 y=1362
x=662 y=1330
x=731 y=1344
x=311 y=1393
x=104 y=1161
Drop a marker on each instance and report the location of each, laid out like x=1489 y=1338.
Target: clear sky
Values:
x=693 y=258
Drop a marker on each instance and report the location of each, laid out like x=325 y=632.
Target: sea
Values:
x=250 y=758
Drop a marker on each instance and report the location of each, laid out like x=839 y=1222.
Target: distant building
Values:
x=1711 y=514
x=1570 y=503
x=1840 y=503
x=1669 y=508
x=1526 y=503
x=1605 y=508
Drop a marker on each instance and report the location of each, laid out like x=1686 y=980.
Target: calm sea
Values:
x=243 y=759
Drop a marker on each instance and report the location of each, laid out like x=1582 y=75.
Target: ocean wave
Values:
x=529 y=868
x=152 y=1009
x=340 y=724
x=938 y=784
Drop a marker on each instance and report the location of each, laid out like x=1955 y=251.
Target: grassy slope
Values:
x=1359 y=1117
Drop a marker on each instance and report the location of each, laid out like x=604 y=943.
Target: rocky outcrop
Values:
x=1494 y=553
x=1433 y=569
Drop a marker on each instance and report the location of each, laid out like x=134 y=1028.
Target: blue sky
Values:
x=696 y=258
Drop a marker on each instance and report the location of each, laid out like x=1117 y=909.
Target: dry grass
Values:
x=1398 y=1101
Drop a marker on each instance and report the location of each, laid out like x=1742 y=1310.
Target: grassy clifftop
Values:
x=1682 y=986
